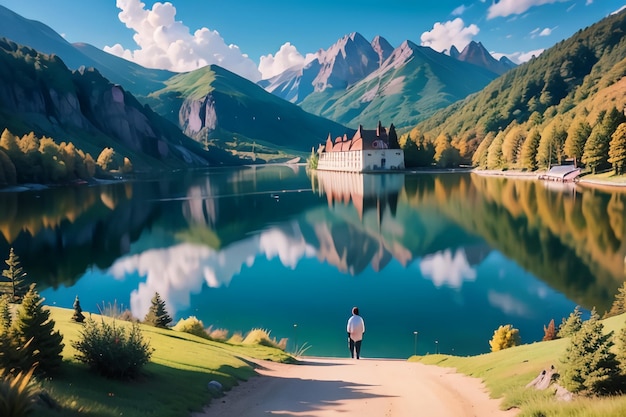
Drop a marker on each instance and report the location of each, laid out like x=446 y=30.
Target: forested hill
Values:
x=569 y=87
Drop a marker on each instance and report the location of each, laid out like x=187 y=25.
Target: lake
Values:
x=451 y=256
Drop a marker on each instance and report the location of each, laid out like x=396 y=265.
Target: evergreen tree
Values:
x=590 y=365
x=479 y=159
x=15 y=274
x=619 y=303
x=596 y=148
x=617 y=149
x=157 y=314
x=495 y=158
x=78 y=311
x=529 y=150
x=577 y=135
x=512 y=145
x=572 y=324
x=620 y=344
x=33 y=329
x=5 y=313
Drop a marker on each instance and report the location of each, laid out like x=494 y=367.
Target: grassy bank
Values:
x=507 y=372
x=174 y=383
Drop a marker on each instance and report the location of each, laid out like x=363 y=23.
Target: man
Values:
x=356 y=328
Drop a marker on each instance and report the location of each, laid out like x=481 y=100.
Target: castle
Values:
x=368 y=150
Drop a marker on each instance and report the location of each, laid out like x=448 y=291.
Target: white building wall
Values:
x=362 y=160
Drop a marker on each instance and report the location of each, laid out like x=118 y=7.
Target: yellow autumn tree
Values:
x=504 y=337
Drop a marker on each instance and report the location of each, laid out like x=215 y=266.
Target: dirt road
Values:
x=365 y=388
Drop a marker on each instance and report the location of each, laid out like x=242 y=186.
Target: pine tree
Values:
x=78 y=311
x=620 y=344
x=577 y=135
x=617 y=149
x=619 y=303
x=15 y=274
x=529 y=150
x=549 y=333
x=34 y=331
x=157 y=315
x=495 y=157
x=571 y=325
x=5 y=313
x=590 y=365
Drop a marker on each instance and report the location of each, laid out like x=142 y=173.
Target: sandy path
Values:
x=365 y=388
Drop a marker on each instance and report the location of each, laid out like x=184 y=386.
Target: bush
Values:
x=108 y=350
x=191 y=325
x=17 y=394
x=504 y=337
x=220 y=335
x=236 y=339
x=590 y=365
x=262 y=337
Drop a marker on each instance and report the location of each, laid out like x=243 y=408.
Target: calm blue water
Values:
x=448 y=256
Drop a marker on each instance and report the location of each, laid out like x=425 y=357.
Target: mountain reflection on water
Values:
x=451 y=256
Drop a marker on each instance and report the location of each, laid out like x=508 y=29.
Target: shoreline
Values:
x=596 y=183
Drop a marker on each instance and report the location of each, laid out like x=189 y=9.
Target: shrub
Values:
x=572 y=325
x=17 y=394
x=504 y=337
x=236 y=339
x=549 y=333
x=590 y=365
x=262 y=337
x=191 y=325
x=33 y=331
x=157 y=314
x=108 y=350
x=220 y=335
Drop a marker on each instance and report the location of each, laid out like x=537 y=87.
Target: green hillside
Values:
x=241 y=115
x=577 y=80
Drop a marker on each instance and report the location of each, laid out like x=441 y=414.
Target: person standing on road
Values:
x=356 y=328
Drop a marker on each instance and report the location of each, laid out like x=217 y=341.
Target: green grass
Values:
x=506 y=373
x=174 y=383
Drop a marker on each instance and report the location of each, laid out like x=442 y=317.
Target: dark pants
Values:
x=355 y=346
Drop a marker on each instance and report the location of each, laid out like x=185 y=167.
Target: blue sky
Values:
x=240 y=35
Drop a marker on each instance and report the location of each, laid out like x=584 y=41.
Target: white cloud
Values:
x=546 y=32
x=519 y=57
x=166 y=43
x=447 y=269
x=541 y=32
x=505 y=8
x=459 y=10
x=453 y=32
x=508 y=304
x=588 y=2
x=286 y=57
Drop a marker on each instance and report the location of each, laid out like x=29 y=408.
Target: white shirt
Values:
x=356 y=327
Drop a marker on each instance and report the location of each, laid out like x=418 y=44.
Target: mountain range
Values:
x=355 y=81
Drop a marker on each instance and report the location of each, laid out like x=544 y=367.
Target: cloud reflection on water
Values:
x=181 y=270
x=448 y=268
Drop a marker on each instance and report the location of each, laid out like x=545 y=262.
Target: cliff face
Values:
x=39 y=92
